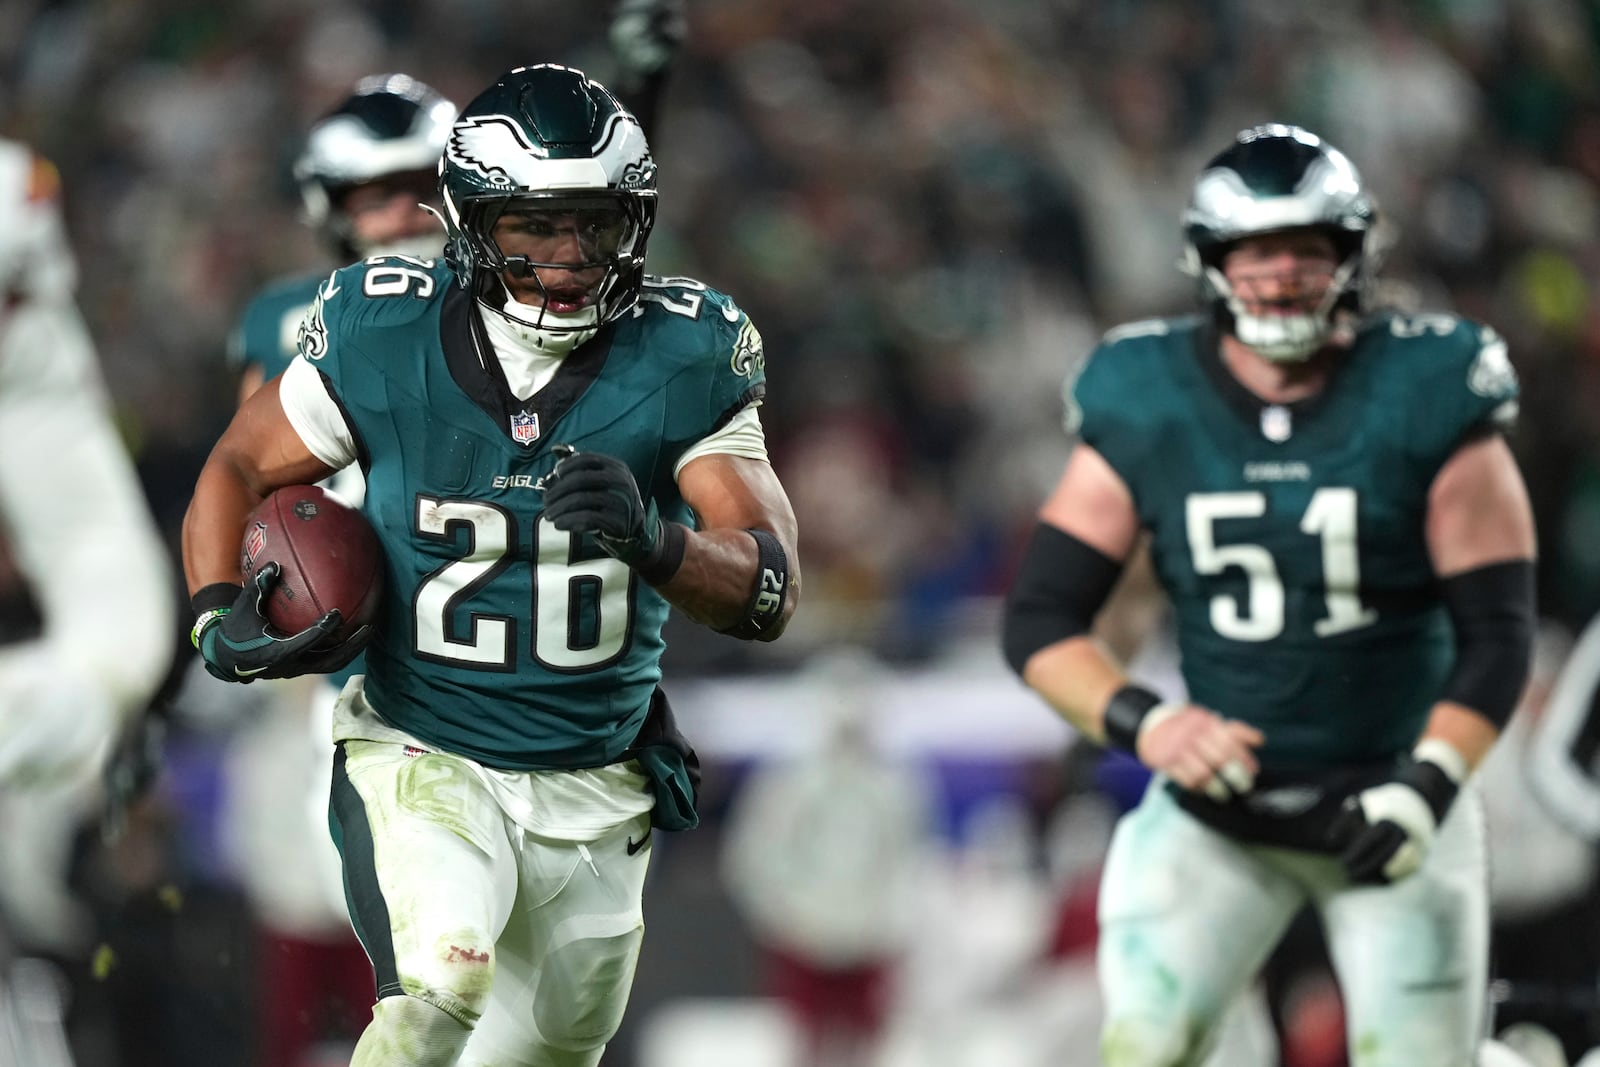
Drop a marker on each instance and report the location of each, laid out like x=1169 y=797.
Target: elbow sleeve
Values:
x=1060 y=586
x=1493 y=611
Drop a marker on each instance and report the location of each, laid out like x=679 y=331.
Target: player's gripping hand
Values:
x=238 y=645
x=1384 y=832
x=594 y=493
x=1200 y=750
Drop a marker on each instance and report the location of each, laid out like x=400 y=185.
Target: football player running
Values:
x=368 y=182
x=1334 y=511
x=557 y=448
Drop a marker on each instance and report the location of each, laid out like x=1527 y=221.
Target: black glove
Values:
x=238 y=645
x=1384 y=831
x=588 y=492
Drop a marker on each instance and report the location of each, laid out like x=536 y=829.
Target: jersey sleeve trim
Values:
x=318 y=416
x=741 y=436
x=750 y=398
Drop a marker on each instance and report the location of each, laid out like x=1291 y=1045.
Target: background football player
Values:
x=81 y=558
x=1348 y=544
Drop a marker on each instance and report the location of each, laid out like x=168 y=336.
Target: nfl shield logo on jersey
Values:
x=1276 y=423
x=524 y=427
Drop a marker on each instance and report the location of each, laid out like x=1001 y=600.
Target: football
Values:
x=328 y=556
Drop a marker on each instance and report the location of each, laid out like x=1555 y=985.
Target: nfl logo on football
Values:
x=255 y=539
x=524 y=427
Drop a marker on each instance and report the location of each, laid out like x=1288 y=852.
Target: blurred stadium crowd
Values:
x=930 y=208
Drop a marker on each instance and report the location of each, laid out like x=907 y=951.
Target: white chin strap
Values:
x=1284 y=338
x=572 y=328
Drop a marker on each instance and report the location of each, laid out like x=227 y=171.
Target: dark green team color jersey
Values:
x=266 y=334
x=267 y=337
x=1290 y=538
x=503 y=638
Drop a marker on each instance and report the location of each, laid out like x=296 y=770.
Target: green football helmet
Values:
x=1275 y=178
x=548 y=140
x=391 y=127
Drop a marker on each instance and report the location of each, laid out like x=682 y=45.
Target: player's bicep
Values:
x=1092 y=503
x=1478 y=509
x=263 y=447
x=250 y=379
x=738 y=493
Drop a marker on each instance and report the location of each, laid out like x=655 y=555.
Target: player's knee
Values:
x=1152 y=1041
x=583 y=989
x=411 y=1032
x=455 y=977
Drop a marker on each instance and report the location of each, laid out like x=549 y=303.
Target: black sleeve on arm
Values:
x=1493 y=611
x=1059 y=588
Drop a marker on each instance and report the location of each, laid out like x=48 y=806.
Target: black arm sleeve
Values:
x=1059 y=588
x=1493 y=611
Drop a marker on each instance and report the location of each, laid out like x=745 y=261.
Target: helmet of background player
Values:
x=1275 y=178
x=392 y=128
x=549 y=150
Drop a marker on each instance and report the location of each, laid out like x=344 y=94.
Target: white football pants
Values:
x=526 y=944
x=1188 y=917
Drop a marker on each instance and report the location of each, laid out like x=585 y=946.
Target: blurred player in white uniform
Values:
x=78 y=541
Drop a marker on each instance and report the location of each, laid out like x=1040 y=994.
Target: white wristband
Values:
x=1445 y=756
x=1160 y=713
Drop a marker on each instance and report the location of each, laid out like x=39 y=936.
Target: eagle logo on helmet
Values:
x=476 y=142
x=639 y=174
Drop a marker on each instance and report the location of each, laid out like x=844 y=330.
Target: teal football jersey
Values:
x=1290 y=538
x=266 y=334
x=503 y=638
x=267 y=337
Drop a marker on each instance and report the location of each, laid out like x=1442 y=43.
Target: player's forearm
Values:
x=1077 y=678
x=213 y=527
x=259 y=452
x=721 y=578
x=1463 y=729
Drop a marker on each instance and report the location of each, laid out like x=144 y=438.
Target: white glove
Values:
x=1385 y=831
